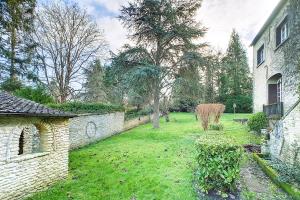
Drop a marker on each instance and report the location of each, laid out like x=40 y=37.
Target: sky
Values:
x=219 y=16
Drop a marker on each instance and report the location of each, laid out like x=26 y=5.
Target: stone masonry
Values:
x=136 y=122
x=285 y=138
x=89 y=128
x=22 y=175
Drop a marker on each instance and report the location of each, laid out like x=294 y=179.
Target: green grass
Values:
x=142 y=163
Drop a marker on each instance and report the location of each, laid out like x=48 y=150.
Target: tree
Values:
x=187 y=90
x=16 y=45
x=126 y=82
x=211 y=73
x=237 y=68
x=114 y=86
x=68 y=39
x=236 y=79
x=94 y=84
x=163 y=30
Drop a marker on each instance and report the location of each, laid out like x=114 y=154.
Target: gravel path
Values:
x=256 y=185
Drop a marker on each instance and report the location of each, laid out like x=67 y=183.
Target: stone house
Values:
x=34 y=144
x=276 y=81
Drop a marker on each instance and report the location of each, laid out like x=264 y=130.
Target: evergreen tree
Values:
x=187 y=91
x=237 y=67
x=163 y=30
x=236 y=79
x=94 y=85
x=211 y=71
x=16 y=45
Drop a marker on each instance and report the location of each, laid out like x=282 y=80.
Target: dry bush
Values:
x=218 y=111
x=208 y=111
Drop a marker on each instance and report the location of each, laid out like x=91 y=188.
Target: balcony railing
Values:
x=274 y=110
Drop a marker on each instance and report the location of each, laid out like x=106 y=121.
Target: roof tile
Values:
x=12 y=105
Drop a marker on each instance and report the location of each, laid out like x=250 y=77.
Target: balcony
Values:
x=274 y=110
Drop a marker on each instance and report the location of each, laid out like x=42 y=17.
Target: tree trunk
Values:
x=13 y=53
x=156 y=109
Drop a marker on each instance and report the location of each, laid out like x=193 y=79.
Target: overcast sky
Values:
x=219 y=16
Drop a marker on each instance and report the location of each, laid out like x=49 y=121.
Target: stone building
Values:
x=276 y=81
x=34 y=144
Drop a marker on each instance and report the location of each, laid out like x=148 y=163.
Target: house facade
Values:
x=276 y=82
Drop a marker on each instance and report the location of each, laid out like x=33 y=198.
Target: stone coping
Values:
x=90 y=114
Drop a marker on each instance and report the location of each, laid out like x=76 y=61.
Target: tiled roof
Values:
x=12 y=105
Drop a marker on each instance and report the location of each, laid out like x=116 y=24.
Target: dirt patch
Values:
x=252 y=148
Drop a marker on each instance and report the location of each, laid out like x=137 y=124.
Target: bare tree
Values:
x=68 y=40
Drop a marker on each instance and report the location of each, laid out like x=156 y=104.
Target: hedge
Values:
x=81 y=108
x=219 y=164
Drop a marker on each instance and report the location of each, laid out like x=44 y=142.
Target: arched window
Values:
x=31 y=140
x=21 y=143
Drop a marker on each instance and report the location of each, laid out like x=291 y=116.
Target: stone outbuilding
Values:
x=34 y=144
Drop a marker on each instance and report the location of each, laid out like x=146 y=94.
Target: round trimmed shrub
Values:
x=257 y=122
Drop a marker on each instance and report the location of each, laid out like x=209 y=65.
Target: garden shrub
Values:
x=37 y=94
x=184 y=105
x=11 y=85
x=219 y=164
x=216 y=127
x=80 y=107
x=257 y=122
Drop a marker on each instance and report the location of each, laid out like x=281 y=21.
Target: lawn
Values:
x=142 y=163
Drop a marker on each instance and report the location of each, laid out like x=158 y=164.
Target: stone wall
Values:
x=136 y=122
x=87 y=129
x=33 y=170
x=285 y=138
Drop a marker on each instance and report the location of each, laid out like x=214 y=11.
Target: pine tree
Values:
x=237 y=68
x=236 y=81
x=94 y=85
x=16 y=45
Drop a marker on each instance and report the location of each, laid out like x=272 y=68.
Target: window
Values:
x=261 y=55
x=30 y=140
x=282 y=32
x=21 y=144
